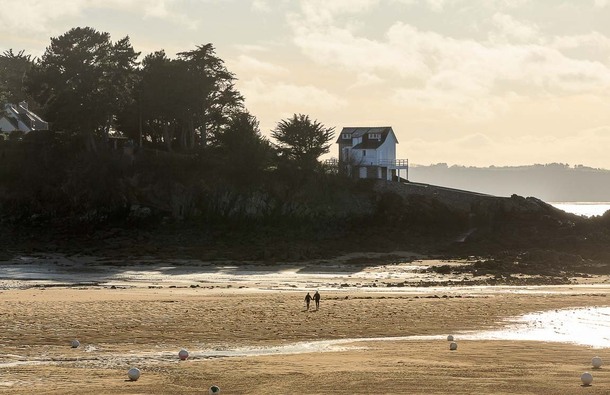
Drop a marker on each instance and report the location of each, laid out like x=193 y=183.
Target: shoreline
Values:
x=381 y=272
x=246 y=328
x=238 y=340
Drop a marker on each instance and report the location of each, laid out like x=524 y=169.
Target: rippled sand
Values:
x=259 y=339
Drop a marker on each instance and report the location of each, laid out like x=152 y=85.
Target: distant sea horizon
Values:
x=587 y=209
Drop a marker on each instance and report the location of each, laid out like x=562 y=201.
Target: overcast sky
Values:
x=471 y=82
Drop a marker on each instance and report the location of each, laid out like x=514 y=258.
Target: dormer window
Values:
x=346 y=136
x=374 y=136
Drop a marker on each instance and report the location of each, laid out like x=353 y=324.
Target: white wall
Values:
x=358 y=157
x=387 y=151
x=5 y=125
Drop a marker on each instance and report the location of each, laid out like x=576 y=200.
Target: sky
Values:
x=467 y=82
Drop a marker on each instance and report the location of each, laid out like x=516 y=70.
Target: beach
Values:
x=248 y=331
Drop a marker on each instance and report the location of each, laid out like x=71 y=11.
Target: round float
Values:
x=596 y=362
x=133 y=374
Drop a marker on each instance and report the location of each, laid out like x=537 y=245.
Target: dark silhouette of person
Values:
x=316 y=298
x=307 y=300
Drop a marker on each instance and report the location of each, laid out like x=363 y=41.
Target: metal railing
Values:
x=402 y=163
x=393 y=163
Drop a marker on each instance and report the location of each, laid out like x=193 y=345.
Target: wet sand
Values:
x=259 y=339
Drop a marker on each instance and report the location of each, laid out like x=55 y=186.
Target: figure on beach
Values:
x=316 y=298
x=307 y=300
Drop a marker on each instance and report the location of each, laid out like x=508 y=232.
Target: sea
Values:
x=587 y=209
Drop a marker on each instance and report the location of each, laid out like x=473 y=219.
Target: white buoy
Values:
x=183 y=354
x=596 y=362
x=450 y=338
x=133 y=374
x=586 y=378
x=75 y=343
x=214 y=390
x=453 y=346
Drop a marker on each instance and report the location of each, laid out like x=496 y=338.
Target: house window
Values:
x=346 y=136
x=363 y=152
x=374 y=136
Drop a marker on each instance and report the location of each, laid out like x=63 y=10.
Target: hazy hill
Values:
x=552 y=182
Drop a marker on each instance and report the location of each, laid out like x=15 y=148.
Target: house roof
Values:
x=363 y=132
x=20 y=113
x=13 y=122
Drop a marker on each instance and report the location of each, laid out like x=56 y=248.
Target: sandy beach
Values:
x=247 y=331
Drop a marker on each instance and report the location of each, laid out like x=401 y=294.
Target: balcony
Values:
x=393 y=163
x=389 y=163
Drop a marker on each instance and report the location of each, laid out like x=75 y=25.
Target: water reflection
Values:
x=584 y=326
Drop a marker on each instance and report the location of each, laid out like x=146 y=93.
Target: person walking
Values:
x=316 y=298
x=307 y=300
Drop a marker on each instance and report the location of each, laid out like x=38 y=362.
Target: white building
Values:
x=370 y=152
x=19 y=118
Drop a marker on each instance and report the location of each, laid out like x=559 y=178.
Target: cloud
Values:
x=289 y=97
x=594 y=40
x=253 y=66
x=320 y=12
x=262 y=6
x=469 y=108
x=510 y=29
x=473 y=79
x=443 y=5
x=364 y=80
x=38 y=12
x=37 y=15
x=434 y=5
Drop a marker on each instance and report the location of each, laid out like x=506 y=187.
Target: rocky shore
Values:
x=511 y=240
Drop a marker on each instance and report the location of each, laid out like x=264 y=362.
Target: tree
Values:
x=243 y=151
x=82 y=81
x=13 y=68
x=158 y=98
x=302 y=141
x=211 y=95
x=184 y=101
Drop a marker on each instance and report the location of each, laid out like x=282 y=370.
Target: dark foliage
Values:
x=13 y=68
x=82 y=81
x=301 y=141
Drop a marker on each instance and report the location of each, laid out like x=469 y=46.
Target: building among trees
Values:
x=370 y=152
x=18 y=118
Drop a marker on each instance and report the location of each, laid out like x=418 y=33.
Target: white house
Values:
x=19 y=118
x=370 y=152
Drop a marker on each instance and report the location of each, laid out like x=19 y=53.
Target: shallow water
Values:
x=585 y=326
x=587 y=209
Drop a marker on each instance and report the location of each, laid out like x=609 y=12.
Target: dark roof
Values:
x=360 y=131
x=363 y=132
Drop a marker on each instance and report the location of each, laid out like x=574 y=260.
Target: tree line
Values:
x=89 y=87
x=198 y=151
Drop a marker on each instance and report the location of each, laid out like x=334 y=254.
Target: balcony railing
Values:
x=394 y=163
